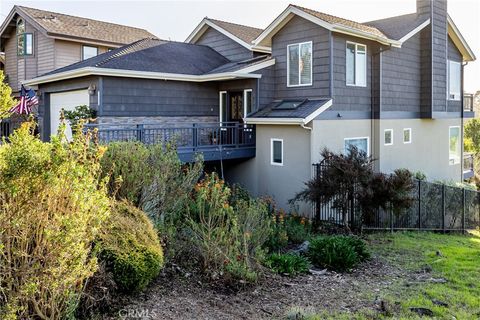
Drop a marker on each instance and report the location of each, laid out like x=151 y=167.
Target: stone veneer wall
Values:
x=162 y=122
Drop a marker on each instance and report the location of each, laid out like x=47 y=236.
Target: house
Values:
x=34 y=42
x=277 y=96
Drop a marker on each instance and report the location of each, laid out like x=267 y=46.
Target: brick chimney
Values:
x=434 y=52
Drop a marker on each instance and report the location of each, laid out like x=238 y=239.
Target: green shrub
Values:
x=359 y=246
x=130 y=247
x=288 y=263
x=339 y=253
x=287 y=228
x=126 y=165
x=228 y=239
x=52 y=204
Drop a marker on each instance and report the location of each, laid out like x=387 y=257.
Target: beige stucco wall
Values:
x=280 y=182
x=428 y=153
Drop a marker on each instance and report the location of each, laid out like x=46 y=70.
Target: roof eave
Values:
x=290 y=121
x=94 y=71
x=460 y=41
x=265 y=37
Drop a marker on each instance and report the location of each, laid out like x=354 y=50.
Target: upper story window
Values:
x=299 y=64
x=454 y=76
x=89 y=52
x=24 y=39
x=356 y=64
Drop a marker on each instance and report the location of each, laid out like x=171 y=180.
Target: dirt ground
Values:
x=176 y=295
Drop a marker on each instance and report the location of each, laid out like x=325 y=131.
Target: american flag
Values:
x=28 y=99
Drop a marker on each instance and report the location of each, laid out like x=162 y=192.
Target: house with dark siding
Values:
x=34 y=42
x=265 y=102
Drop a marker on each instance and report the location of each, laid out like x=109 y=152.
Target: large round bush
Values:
x=130 y=247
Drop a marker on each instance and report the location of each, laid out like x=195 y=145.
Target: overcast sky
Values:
x=175 y=20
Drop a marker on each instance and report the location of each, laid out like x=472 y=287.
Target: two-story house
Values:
x=34 y=42
x=391 y=87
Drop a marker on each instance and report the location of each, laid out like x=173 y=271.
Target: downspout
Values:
x=372 y=93
x=462 y=112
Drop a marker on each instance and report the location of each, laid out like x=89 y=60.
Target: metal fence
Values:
x=435 y=207
x=7 y=126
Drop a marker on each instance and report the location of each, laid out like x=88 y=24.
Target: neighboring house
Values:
x=391 y=87
x=35 y=41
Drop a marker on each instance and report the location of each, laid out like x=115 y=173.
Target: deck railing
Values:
x=188 y=138
x=468 y=102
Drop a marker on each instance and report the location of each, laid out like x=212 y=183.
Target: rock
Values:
x=438 y=280
x=439 y=254
x=427 y=268
x=422 y=311
x=440 y=303
x=302 y=249
x=318 y=272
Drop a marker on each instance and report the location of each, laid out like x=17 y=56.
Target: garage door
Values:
x=67 y=101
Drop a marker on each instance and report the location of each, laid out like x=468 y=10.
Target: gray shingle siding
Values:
x=224 y=45
x=144 y=97
x=295 y=31
x=439 y=55
x=350 y=98
x=401 y=77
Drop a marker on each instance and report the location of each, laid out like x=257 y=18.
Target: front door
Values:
x=235 y=109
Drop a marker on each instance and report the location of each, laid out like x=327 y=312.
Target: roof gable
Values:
x=326 y=21
x=74 y=28
x=459 y=41
x=243 y=35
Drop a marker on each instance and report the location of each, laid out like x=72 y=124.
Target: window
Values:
x=454 y=76
x=299 y=64
x=24 y=40
x=223 y=106
x=356 y=64
x=454 y=154
x=89 y=52
x=407 y=135
x=276 y=152
x=388 y=137
x=360 y=143
x=247 y=102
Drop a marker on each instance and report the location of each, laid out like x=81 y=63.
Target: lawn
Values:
x=443 y=276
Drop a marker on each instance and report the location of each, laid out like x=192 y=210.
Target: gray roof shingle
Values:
x=397 y=27
x=78 y=27
x=245 y=33
x=341 y=21
x=154 y=55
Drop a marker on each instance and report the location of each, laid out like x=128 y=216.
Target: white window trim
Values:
x=245 y=102
x=448 y=81
x=410 y=135
x=357 y=138
x=355 y=71
x=299 y=71
x=391 y=135
x=449 y=136
x=220 y=109
x=272 y=140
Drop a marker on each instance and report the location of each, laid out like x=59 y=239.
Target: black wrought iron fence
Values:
x=435 y=207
